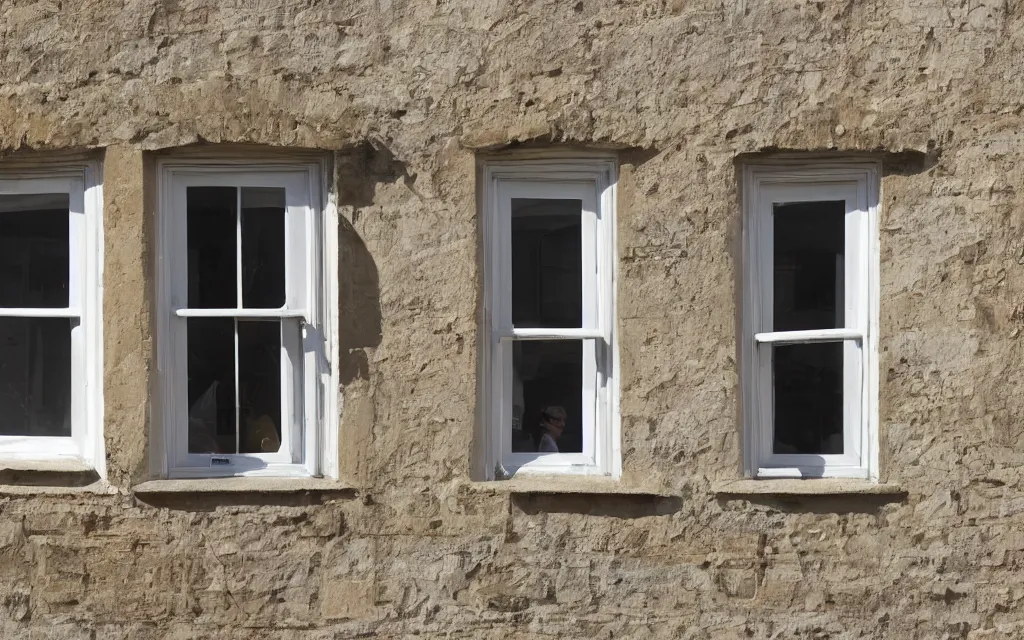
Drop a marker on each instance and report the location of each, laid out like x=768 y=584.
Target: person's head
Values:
x=552 y=420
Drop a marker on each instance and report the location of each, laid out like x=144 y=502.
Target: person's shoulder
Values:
x=547 y=444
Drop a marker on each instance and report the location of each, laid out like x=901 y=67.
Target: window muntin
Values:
x=550 y=246
x=243 y=392
x=49 y=310
x=810 y=321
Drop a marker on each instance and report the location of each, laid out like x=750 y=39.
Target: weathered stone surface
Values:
x=403 y=92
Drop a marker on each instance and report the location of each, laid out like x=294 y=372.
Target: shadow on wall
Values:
x=624 y=507
x=360 y=171
x=359 y=300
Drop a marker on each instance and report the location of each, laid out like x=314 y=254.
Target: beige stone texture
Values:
x=402 y=95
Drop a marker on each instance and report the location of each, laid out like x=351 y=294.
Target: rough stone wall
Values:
x=405 y=92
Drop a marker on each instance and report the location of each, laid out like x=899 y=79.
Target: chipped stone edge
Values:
x=99 y=488
x=806 y=487
x=562 y=485
x=63 y=465
x=243 y=485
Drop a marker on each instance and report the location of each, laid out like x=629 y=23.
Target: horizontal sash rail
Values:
x=810 y=336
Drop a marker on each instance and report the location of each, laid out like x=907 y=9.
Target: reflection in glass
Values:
x=35 y=376
x=808 y=399
x=259 y=386
x=211 y=385
x=263 y=273
x=810 y=242
x=212 y=238
x=547 y=392
x=34 y=250
x=547 y=276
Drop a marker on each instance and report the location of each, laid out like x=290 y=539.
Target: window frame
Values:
x=310 y=213
x=82 y=181
x=857 y=183
x=593 y=180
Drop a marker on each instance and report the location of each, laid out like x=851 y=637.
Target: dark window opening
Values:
x=35 y=376
x=547 y=396
x=547 y=273
x=810 y=242
x=808 y=398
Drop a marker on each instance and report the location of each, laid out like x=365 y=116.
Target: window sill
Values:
x=54 y=472
x=99 y=488
x=564 y=485
x=806 y=487
x=250 y=485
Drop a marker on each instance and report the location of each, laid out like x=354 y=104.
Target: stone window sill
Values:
x=806 y=487
x=98 y=488
x=249 y=485
x=565 y=485
x=52 y=473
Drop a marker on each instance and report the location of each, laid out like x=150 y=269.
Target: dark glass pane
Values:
x=810 y=241
x=212 y=239
x=547 y=392
x=34 y=250
x=35 y=376
x=211 y=385
x=262 y=248
x=808 y=381
x=259 y=385
x=547 y=272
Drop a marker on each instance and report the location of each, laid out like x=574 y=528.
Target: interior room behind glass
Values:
x=234 y=365
x=547 y=285
x=809 y=255
x=35 y=353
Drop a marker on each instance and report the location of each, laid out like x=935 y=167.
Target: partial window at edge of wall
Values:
x=551 y=396
x=244 y=322
x=810 y=319
x=50 y=334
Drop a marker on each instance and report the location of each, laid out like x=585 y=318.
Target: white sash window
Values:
x=550 y=350
x=243 y=326
x=50 y=337
x=811 y=319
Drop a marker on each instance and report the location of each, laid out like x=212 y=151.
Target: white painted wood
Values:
x=81 y=182
x=808 y=337
x=252 y=314
x=552 y=334
x=12 y=312
x=306 y=335
x=591 y=180
x=793 y=180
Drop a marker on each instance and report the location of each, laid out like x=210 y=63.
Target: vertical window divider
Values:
x=238 y=305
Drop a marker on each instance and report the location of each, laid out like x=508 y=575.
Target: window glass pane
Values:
x=263 y=248
x=34 y=250
x=808 y=399
x=547 y=391
x=809 y=241
x=212 y=239
x=547 y=272
x=35 y=376
x=259 y=386
x=211 y=385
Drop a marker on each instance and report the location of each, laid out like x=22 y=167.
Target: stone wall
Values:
x=404 y=94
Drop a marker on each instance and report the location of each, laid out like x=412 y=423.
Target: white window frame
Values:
x=593 y=181
x=309 y=444
x=808 y=180
x=83 y=184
